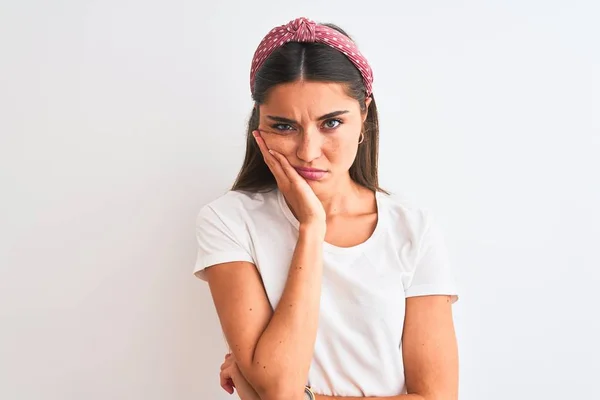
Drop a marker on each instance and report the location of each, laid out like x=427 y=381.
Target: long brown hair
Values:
x=311 y=62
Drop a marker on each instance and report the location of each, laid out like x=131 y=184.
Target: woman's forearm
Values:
x=285 y=349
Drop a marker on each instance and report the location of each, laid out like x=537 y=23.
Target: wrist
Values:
x=315 y=228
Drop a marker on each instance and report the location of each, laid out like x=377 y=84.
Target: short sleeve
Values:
x=433 y=273
x=217 y=242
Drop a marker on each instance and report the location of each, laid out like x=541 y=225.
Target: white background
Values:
x=120 y=119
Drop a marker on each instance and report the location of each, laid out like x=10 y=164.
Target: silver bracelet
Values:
x=308 y=393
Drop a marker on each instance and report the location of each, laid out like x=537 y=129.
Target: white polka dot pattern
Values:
x=304 y=30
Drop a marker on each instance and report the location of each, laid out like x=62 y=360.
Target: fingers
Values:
x=287 y=168
x=263 y=146
x=278 y=164
x=229 y=360
x=272 y=162
x=225 y=381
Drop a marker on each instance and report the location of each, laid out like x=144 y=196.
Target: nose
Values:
x=309 y=148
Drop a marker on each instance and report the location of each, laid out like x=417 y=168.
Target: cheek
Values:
x=278 y=143
x=341 y=152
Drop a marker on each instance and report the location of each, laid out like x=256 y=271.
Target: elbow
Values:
x=278 y=383
x=280 y=390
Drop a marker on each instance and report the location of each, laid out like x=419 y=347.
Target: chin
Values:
x=319 y=182
x=319 y=186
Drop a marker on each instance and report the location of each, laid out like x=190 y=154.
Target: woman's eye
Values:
x=336 y=122
x=331 y=124
x=283 y=127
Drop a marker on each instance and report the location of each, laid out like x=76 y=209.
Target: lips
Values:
x=311 y=174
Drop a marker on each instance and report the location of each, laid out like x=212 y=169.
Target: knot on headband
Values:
x=304 y=30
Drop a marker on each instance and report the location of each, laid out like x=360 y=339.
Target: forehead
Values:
x=311 y=97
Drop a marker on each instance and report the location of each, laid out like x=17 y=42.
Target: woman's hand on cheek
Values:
x=295 y=189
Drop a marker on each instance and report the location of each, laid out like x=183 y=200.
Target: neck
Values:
x=341 y=197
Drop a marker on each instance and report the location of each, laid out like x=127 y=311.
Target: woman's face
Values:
x=315 y=125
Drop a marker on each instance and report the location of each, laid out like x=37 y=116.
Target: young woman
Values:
x=326 y=286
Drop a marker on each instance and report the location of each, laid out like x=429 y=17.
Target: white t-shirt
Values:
x=358 y=349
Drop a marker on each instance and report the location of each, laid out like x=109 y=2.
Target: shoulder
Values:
x=237 y=198
x=408 y=220
x=236 y=206
x=402 y=211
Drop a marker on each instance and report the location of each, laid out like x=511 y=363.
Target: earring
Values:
x=362 y=138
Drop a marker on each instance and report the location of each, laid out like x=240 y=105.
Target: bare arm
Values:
x=273 y=349
x=429 y=350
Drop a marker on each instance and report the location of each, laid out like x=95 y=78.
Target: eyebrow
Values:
x=291 y=121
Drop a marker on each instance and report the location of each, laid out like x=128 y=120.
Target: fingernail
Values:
x=270 y=151
x=254 y=133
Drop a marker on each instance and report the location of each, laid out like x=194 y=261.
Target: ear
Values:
x=367 y=103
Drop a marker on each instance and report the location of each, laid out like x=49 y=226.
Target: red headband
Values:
x=305 y=30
